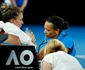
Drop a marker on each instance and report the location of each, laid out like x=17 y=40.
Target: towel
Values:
x=15 y=30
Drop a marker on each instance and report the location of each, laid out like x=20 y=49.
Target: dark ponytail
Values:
x=58 y=22
x=65 y=25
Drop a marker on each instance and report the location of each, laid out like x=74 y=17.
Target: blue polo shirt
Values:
x=68 y=42
x=65 y=39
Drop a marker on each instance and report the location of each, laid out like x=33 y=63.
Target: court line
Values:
x=80 y=56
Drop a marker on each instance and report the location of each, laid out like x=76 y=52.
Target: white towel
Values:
x=15 y=30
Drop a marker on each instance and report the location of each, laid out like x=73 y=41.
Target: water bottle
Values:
x=28 y=32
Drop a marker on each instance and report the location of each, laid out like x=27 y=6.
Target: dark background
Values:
x=37 y=11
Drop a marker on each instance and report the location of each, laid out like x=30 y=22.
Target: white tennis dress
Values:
x=62 y=61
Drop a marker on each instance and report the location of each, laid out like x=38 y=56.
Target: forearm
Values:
x=24 y=4
x=40 y=55
x=13 y=2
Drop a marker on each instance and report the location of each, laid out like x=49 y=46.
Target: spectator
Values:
x=20 y=3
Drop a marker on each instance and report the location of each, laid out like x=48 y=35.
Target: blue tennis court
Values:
x=76 y=32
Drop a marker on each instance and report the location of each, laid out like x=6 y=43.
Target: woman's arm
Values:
x=40 y=54
x=13 y=2
x=25 y=2
x=46 y=65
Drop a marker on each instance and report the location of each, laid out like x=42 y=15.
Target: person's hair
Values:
x=58 y=22
x=9 y=12
x=54 y=45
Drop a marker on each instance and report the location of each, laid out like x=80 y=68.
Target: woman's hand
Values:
x=32 y=37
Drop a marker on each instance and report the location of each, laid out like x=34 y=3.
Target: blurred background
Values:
x=37 y=11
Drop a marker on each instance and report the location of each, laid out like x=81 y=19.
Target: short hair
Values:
x=54 y=45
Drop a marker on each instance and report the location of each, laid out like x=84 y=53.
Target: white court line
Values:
x=80 y=56
x=83 y=69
